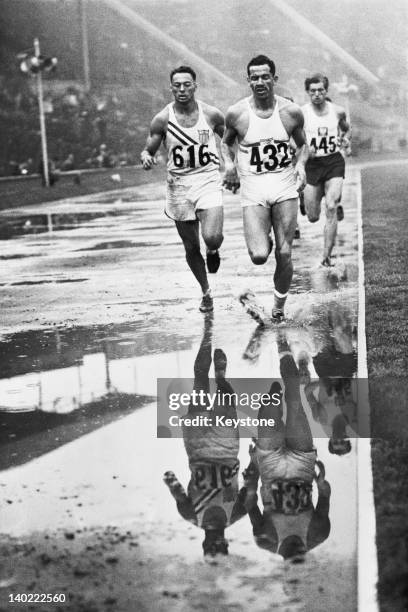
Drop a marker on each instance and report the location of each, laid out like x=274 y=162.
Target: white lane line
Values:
x=366 y=540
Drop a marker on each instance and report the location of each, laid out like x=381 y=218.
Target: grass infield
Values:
x=386 y=268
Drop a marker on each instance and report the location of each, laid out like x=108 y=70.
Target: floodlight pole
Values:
x=42 y=117
x=85 y=46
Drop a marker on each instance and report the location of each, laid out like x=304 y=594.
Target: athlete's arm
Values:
x=154 y=140
x=322 y=485
x=302 y=150
x=319 y=528
x=231 y=178
x=251 y=477
x=344 y=128
x=217 y=120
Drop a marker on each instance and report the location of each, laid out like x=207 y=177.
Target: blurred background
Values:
x=114 y=58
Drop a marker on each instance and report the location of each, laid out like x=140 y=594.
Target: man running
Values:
x=326 y=130
x=285 y=459
x=187 y=128
x=213 y=500
x=263 y=125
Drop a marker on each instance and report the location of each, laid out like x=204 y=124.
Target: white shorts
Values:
x=284 y=464
x=188 y=194
x=209 y=444
x=268 y=189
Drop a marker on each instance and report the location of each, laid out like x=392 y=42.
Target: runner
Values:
x=263 y=125
x=187 y=128
x=213 y=500
x=285 y=459
x=326 y=129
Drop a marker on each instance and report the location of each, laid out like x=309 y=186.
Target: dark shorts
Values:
x=321 y=169
x=331 y=363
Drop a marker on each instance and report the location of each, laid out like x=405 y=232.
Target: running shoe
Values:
x=340 y=213
x=207 y=304
x=276 y=387
x=213 y=261
x=253 y=348
x=302 y=203
x=277 y=315
x=326 y=263
x=255 y=310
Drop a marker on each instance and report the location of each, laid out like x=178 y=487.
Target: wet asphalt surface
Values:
x=97 y=302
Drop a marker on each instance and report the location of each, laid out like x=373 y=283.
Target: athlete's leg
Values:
x=202 y=365
x=284 y=218
x=271 y=436
x=188 y=232
x=312 y=199
x=211 y=220
x=333 y=188
x=257 y=229
x=298 y=433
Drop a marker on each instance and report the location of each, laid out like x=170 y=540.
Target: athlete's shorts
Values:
x=268 y=189
x=211 y=443
x=332 y=363
x=321 y=169
x=285 y=463
x=188 y=194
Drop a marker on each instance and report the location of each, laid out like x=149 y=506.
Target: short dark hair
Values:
x=292 y=548
x=183 y=69
x=317 y=78
x=260 y=60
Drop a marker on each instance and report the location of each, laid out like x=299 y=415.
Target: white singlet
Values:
x=190 y=150
x=214 y=486
x=265 y=160
x=321 y=130
x=193 y=177
x=265 y=147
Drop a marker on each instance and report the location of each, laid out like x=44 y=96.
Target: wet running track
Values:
x=97 y=303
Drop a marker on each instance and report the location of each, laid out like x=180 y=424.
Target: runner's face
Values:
x=183 y=87
x=261 y=81
x=317 y=93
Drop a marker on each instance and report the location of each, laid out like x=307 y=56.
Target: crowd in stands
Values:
x=129 y=71
x=103 y=129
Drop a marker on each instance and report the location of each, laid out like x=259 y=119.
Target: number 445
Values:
x=324 y=145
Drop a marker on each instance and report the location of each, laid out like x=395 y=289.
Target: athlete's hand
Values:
x=322 y=484
x=231 y=179
x=345 y=143
x=250 y=474
x=300 y=174
x=147 y=160
x=170 y=478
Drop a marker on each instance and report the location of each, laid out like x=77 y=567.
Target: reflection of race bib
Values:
x=214 y=476
x=291 y=496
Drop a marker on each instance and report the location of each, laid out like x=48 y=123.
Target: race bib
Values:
x=291 y=496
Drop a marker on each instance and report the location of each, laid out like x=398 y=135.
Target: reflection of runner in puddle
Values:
x=332 y=398
x=286 y=460
x=213 y=500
